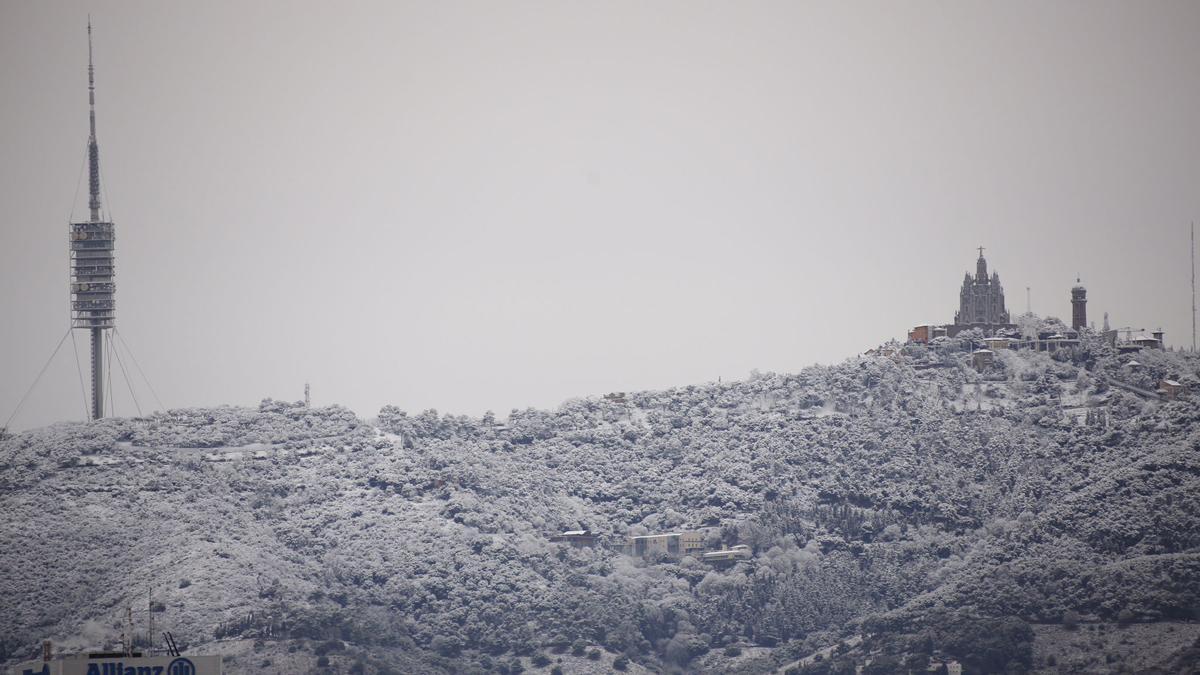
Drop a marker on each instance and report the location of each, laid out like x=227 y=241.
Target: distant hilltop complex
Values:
x=981 y=308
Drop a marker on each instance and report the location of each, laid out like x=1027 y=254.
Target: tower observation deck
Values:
x=92 y=244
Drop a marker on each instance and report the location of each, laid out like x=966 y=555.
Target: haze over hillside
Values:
x=904 y=507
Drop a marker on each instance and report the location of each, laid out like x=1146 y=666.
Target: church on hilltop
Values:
x=981 y=301
x=980 y=305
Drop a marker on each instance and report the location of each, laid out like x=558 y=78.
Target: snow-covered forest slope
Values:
x=901 y=510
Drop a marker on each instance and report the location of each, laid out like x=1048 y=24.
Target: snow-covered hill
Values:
x=911 y=505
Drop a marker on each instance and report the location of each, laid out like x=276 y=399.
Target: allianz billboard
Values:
x=148 y=665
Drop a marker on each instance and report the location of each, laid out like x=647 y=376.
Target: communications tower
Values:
x=93 y=306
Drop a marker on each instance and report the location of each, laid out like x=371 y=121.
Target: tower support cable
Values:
x=112 y=408
x=37 y=379
x=124 y=373
x=79 y=370
x=138 y=366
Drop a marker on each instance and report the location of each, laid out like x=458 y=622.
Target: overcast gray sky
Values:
x=488 y=205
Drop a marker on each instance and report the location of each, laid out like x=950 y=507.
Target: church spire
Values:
x=981 y=300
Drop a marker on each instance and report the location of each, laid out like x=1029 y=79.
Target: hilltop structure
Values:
x=1079 y=306
x=93 y=292
x=981 y=306
x=981 y=301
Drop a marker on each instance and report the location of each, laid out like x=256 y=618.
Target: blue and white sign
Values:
x=148 y=665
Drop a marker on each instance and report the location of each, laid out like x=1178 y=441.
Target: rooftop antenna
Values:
x=150 y=619
x=127 y=632
x=1027 y=301
x=307 y=400
x=91 y=253
x=1193 y=286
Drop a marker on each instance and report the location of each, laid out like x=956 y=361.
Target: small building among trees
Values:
x=1171 y=390
x=674 y=544
x=575 y=538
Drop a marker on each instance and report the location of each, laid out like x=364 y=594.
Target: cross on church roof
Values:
x=980 y=251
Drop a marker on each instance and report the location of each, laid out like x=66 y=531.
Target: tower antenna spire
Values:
x=93 y=146
x=1193 y=286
